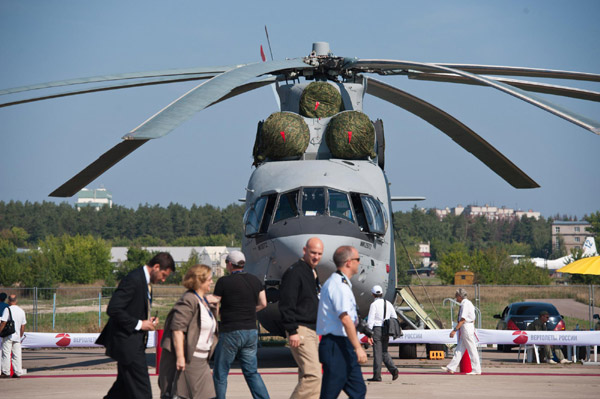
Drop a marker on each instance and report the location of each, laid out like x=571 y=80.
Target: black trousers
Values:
x=132 y=381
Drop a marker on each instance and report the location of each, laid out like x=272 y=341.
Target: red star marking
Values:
x=317 y=105
x=282 y=135
x=349 y=136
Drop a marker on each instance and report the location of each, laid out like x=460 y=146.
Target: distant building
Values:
x=425 y=254
x=96 y=198
x=487 y=211
x=573 y=234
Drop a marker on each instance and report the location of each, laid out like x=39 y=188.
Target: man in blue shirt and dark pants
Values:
x=340 y=351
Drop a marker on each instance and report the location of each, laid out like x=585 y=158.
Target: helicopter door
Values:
x=375 y=215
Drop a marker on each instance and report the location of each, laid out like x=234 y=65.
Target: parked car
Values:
x=519 y=315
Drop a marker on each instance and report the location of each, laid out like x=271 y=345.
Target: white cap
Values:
x=377 y=289
x=236 y=258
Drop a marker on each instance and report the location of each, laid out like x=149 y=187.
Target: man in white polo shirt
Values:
x=12 y=343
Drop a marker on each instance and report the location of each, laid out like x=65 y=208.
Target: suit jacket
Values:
x=128 y=305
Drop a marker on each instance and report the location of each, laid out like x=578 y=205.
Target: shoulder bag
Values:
x=9 y=327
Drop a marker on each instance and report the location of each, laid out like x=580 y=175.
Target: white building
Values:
x=487 y=211
x=211 y=256
x=96 y=198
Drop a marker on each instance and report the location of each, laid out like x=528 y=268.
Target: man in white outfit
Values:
x=466 y=335
x=380 y=311
x=12 y=343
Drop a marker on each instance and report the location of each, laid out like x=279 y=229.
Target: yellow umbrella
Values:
x=590 y=265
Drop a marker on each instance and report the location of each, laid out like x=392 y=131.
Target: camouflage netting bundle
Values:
x=320 y=100
x=351 y=135
x=283 y=135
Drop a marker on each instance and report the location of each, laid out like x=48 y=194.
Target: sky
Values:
x=207 y=160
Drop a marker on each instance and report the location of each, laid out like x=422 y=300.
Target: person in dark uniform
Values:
x=125 y=334
x=539 y=324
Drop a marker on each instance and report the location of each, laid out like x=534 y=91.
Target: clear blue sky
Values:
x=208 y=159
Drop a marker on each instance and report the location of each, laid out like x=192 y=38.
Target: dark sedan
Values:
x=518 y=315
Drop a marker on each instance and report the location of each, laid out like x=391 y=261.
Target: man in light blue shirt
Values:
x=340 y=351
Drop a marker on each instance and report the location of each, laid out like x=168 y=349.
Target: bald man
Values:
x=298 y=306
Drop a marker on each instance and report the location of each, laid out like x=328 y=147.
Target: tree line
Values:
x=149 y=225
x=73 y=246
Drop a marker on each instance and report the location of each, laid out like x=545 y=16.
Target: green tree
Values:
x=136 y=257
x=12 y=264
x=74 y=259
x=16 y=235
x=455 y=260
x=594 y=220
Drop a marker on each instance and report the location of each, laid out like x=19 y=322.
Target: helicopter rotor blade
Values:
x=537 y=87
x=180 y=110
x=383 y=65
x=123 y=76
x=523 y=71
x=96 y=168
x=456 y=130
x=116 y=86
x=126 y=147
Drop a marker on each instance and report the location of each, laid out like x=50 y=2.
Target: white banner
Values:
x=66 y=340
x=503 y=337
x=485 y=337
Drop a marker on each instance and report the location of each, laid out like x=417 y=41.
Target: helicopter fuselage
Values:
x=341 y=201
x=334 y=200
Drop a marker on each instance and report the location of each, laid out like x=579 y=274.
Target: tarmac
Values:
x=86 y=373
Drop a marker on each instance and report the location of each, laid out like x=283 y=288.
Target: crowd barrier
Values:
x=66 y=340
x=485 y=337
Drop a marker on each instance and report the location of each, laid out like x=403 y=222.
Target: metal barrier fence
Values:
x=575 y=302
x=83 y=309
x=79 y=309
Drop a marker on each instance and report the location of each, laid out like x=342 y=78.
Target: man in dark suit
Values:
x=125 y=334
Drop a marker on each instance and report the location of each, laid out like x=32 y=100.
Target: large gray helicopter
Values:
x=320 y=160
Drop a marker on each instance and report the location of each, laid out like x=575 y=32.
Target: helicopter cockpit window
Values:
x=375 y=214
x=313 y=201
x=287 y=206
x=339 y=206
x=253 y=216
x=257 y=217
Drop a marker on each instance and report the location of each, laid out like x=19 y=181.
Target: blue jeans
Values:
x=241 y=344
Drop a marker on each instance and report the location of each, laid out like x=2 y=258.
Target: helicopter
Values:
x=320 y=160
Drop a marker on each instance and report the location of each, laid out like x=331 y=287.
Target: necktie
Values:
x=149 y=299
